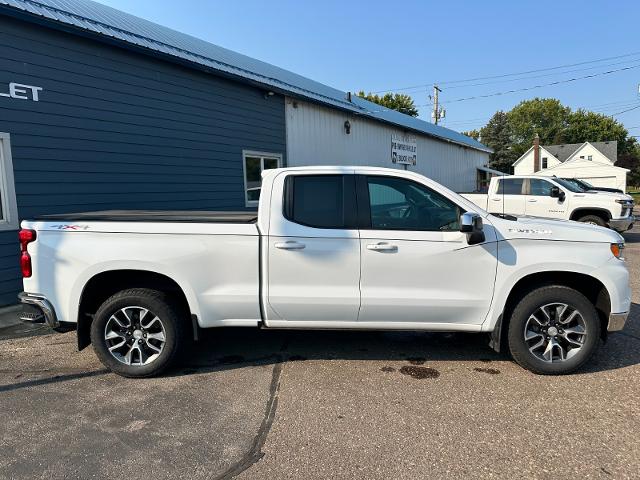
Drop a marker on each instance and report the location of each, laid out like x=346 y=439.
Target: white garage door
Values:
x=611 y=182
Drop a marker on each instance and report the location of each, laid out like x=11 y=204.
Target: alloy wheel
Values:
x=555 y=332
x=135 y=336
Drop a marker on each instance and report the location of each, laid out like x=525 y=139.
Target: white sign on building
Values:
x=404 y=149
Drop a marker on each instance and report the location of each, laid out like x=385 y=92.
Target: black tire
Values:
x=594 y=220
x=171 y=323
x=529 y=305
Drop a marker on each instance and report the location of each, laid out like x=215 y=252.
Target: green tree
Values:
x=475 y=134
x=511 y=134
x=631 y=160
x=396 y=101
x=585 y=126
x=545 y=116
x=498 y=135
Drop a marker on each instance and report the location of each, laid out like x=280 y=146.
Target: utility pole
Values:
x=437 y=113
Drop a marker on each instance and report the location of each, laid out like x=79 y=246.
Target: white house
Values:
x=593 y=162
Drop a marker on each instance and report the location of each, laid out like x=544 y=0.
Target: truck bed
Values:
x=156 y=216
x=480 y=199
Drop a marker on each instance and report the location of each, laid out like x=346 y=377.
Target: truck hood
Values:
x=547 y=229
x=604 y=195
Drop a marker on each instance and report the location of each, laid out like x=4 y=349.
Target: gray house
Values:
x=103 y=110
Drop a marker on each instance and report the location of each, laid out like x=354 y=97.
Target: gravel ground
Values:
x=258 y=404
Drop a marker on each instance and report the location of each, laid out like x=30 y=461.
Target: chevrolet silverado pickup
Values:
x=329 y=248
x=552 y=197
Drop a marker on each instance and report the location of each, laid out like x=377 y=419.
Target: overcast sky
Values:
x=375 y=45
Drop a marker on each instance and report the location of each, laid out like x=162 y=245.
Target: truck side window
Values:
x=400 y=204
x=510 y=186
x=539 y=187
x=320 y=201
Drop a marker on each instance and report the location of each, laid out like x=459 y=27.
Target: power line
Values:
x=594 y=108
x=531 y=77
x=625 y=111
x=427 y=85
x=617 y=102
x=616 y=105
x=558 y=82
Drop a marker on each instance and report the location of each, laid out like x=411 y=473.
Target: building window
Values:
x=8 y=206
x=544 y=162
x=590 y=157
x=582 y=157
x=254 y=163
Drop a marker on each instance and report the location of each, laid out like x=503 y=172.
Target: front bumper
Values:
x=617 y=321
x=43 y=306
x=622 y=224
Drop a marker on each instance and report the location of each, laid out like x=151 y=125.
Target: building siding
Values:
x=115 y=129
x=600 y=171
x=316 y=136
x=597 y=174
x=524 y=165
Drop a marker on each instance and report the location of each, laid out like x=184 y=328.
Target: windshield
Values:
x=569 y=185
x=581 y=183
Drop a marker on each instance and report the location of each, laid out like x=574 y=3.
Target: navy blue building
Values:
x=93 y=127
x=103 y=110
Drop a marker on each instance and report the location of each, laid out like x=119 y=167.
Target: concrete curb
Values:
x=9 y=316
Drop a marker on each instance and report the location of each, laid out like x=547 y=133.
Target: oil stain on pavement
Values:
x=419 y=373
x=490 y=371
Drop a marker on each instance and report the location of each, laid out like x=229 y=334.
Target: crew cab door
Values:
x=540 y=203
x=313 y=268
x=417 y=266
x=508 y=196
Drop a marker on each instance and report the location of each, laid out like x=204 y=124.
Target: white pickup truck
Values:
x=551 y=197
x=329 y=248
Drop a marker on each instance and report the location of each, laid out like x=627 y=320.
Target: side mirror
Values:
x=557 y=193
x=471 y=224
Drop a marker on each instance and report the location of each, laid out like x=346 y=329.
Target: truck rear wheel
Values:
x=593 y=220
x=553 y=330
x=137 y=333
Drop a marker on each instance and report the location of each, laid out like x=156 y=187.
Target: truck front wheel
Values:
x=137 y=333
x=553 y=330
x=593 y=220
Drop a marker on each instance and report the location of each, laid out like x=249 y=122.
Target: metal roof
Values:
x=105 y=21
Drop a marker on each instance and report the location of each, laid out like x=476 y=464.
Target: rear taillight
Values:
x=26 y=237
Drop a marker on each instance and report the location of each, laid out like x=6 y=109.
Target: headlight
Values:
x=616 y=249
x=624 y=202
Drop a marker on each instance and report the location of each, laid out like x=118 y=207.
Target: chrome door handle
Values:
x=532 y=200
x=496 y=199
x=290 y=245
x=382 y=247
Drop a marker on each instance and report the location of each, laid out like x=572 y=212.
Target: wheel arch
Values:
x=583 y=211
x=103 y=285
x=589 y=286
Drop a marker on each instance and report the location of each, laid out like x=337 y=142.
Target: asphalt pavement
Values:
x=284 y=404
